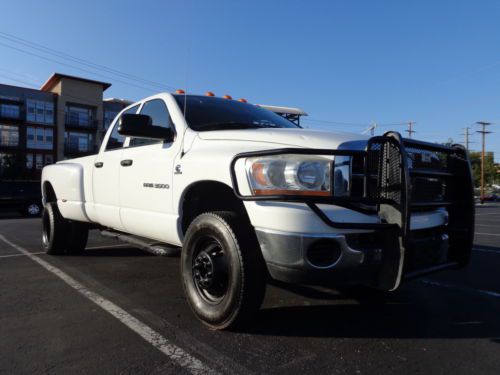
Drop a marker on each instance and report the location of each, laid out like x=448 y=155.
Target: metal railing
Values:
x=74 y=120
x=75 y=148
x=9 y=143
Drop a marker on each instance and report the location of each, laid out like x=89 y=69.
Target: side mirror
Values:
x=141 y=126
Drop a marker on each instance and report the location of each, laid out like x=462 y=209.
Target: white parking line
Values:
x=461 y=288
x=486 y=225
x=489 y=213
x=488 y=234
x=486 y=251
x=18 y=255
x=176 y=354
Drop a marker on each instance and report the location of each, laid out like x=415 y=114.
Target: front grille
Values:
x=427 y=189
x=423 y=189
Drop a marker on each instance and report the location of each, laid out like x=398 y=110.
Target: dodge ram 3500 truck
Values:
x=248 y=196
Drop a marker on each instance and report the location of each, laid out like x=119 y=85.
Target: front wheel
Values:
x=222 y=269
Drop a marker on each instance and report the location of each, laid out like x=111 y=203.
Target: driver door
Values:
x=146 y=173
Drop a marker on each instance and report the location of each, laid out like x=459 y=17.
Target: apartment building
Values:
x=66 y=118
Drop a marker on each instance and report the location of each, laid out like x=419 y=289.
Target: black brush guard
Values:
x=388 y=193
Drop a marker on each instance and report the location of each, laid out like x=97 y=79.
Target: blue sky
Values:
x=433 y=62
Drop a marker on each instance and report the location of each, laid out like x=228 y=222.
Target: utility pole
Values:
x=483 y=132
x=467 y=142
x=410 y=130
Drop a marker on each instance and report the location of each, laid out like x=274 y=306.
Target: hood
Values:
x=309 y=138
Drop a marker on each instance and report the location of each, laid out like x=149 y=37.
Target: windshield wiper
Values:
x=234 y=125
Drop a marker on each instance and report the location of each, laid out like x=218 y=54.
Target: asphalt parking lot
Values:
x=117 y=309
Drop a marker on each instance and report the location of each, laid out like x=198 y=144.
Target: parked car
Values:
x=250 y=196
x=22 y=196
x=491 y=197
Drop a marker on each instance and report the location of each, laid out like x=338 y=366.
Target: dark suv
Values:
x=22 y=196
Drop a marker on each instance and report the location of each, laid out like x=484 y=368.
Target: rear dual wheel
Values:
x=62 y=236
x=223 y=273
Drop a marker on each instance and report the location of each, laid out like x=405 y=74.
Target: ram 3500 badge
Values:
x=258 y=197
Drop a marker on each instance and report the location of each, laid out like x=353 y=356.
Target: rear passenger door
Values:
x=146 y=180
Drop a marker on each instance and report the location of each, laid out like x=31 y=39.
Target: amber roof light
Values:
x=180 y=91
x=242 y=100
x=227 y=97
x=209 y=93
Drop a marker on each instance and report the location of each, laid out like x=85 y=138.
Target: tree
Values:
x=490 y=171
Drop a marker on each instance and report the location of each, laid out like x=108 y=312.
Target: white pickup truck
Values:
x=248 y=196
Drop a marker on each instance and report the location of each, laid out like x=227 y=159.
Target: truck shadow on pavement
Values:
x=415 y=311
x=115 y=252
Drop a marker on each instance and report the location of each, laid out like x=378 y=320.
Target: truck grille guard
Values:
x=390 y=196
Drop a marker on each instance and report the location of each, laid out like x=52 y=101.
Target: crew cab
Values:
x=247 y=196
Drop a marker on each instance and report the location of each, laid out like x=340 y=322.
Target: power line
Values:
x=76 y=67
x=67 y=56
x=340 y=123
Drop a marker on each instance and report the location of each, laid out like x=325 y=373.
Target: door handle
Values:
x=99 y=164
x=126 y=162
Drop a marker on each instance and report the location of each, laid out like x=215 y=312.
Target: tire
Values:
x=61 y=236
x=77 y=239
x=233 y=292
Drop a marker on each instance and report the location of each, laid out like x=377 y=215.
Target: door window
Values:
x=115 y=139
x=158 y=112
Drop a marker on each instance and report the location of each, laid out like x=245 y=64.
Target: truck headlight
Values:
x=289 y=175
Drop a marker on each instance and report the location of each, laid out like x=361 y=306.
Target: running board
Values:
x=426 y=271
x=153 y=247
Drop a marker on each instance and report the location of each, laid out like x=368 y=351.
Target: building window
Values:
x=78 y=142
x=39 y=135
x=29 y=161
x=109 y=116
x=49 y=159
x=40 y=111
x=10 y=110
x=79 y=116
x=9 y=135
x=39 y=161
x=39 y=138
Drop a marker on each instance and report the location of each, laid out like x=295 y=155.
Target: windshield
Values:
x=205 y=113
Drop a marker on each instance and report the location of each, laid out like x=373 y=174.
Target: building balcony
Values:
x=79 y=122
x=7 y=143
x=75 y=149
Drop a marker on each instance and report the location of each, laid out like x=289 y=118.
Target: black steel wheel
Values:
x=222 y=269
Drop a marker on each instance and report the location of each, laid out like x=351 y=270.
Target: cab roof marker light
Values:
x=227 y=97
x=242 y=100
x=180 y=91
x=209 y=93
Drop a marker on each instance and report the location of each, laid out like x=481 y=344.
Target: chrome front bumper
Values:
x=287 y=259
